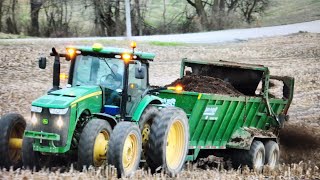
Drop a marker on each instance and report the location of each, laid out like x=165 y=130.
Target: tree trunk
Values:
x=1 y=13
x=164 y=16
x=139 y=19
x=117 y=18
x=11 y=20
x=202 y=14
x=35 y=8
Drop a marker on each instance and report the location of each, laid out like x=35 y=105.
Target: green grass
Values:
x=158 y=43
x=291 y=11
x=12 y=36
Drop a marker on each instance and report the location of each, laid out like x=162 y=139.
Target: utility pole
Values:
x=128 y=19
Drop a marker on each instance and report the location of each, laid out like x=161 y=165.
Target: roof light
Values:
x=133 y=44
x=71 y=52
x=97 y=47
x=126 y=57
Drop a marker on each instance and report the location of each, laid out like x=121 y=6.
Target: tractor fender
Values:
x=146 y=100
x=242 y=138
x=111 y=120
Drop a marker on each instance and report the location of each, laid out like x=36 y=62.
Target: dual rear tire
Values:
x=168 y=141
x=259 y=155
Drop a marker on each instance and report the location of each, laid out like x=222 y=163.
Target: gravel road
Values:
x=232 y=35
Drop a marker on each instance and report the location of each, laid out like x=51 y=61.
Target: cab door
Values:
x=136 y=87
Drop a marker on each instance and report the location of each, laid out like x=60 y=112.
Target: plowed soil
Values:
x=297 y=55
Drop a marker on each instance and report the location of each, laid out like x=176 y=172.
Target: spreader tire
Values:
x=93 y=144
x=125 y=148
x=168 y=143
x=12 y=127
x=255 y=157
x=272 y=154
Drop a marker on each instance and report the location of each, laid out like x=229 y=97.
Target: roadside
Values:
x=232 y=35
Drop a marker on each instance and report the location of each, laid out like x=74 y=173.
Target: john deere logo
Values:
x=45 y=121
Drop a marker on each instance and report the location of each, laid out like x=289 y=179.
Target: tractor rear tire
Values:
x=255 y=157
x=93 y=144
x=125 y=148
x=272 y=154
x=11 y=126
x=168 y=143
x=145 y=122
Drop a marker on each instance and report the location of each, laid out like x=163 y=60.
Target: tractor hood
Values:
x=63 y=98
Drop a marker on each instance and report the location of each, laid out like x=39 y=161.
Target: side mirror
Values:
x=42 y=62
x=140 y=72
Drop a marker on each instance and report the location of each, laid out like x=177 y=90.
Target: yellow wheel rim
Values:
x=145 y=134
x=15 y=142
x=100 y=148
x=175 y=145
x=130 y=152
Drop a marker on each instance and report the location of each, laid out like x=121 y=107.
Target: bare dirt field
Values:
x=296 y=55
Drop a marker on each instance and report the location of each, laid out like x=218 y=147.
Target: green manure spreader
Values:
x=109 y=114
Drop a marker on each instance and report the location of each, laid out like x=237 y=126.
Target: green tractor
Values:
x=103 y=116
x=109 y=114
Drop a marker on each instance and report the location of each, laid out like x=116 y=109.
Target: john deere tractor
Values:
x=103 y=116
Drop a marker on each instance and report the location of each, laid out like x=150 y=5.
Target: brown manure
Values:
x=205 y=84
x=300 y=143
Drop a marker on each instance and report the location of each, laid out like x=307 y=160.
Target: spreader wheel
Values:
x=272 y=154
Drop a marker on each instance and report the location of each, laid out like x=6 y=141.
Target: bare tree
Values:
x=1 y=13
x=250 y=7
x=199 y=5
x=58 y=17
x=35 y=9
x=11 y=17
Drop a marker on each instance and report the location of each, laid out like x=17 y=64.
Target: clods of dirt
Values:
x=206 y=84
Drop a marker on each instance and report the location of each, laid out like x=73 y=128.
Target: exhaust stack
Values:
x=56 y=71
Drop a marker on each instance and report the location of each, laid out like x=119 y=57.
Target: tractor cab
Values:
x=121 y=74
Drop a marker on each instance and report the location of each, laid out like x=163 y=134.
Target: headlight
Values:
x=59 y=122
x=58 y=111
x=36 y=109
x=34 y=119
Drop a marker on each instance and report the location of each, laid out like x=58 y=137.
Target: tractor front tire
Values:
x=93 y=144
x=30 y=158
x=125 y=148
x=168 y=143
x=12 y=128
x=272 y=154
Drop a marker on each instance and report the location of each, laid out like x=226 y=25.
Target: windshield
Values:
x=106 y=72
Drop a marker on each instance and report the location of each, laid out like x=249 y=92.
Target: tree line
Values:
x=65 y=18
